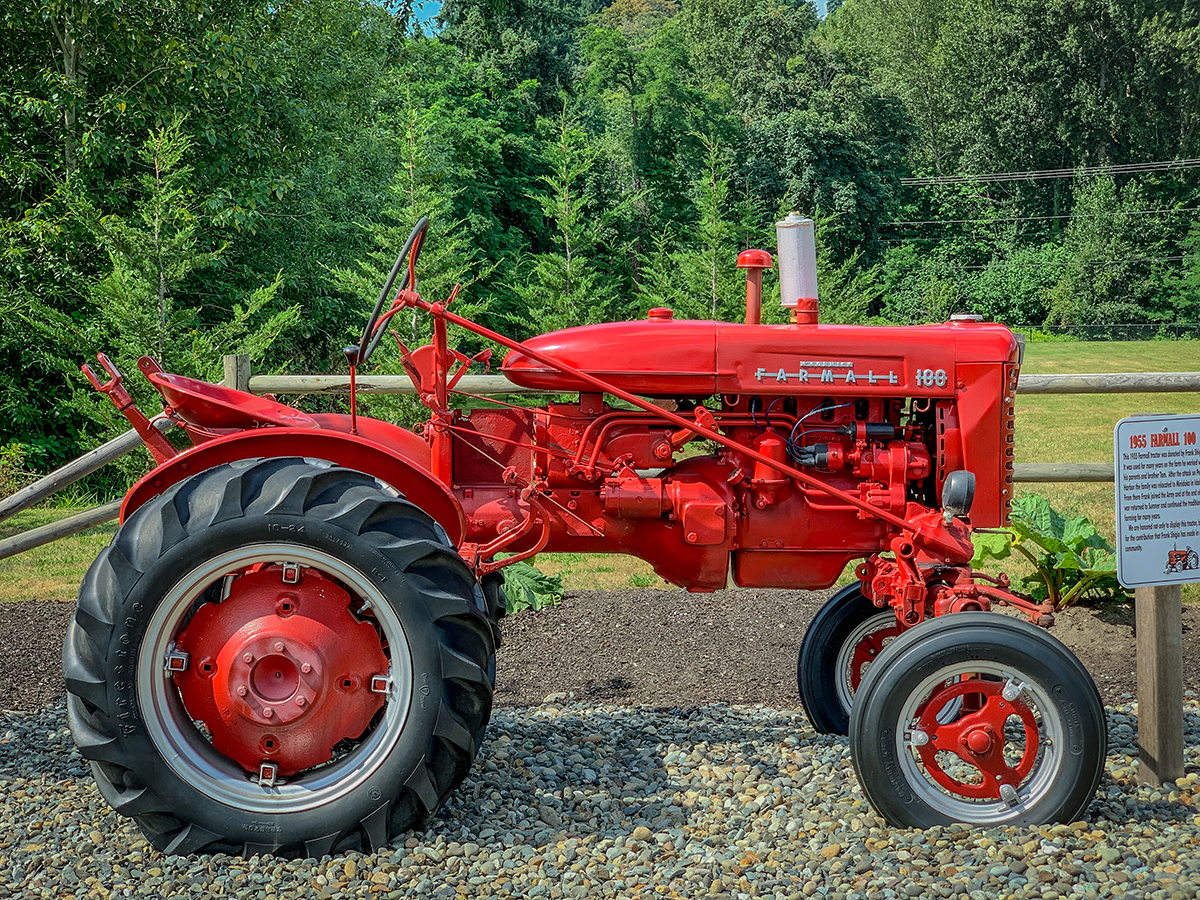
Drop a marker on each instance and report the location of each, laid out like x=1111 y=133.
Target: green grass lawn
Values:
x=1068 y=428
x=52 y=571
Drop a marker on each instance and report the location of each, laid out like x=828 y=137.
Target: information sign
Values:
x=1158 y=499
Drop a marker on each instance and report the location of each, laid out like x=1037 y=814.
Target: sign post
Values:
x=1157 y=474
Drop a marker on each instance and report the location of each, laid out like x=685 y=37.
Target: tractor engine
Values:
x=884 y=414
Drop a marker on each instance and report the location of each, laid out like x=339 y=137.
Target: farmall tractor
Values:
x=289 y=646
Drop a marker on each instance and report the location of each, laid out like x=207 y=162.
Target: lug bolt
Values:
x=241 y=691
x=279 y=646
x=268 y=712
x=247 y=657
x=300 y=701
x=305 y=668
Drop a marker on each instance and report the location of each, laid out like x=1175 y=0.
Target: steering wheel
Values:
x=411 y=251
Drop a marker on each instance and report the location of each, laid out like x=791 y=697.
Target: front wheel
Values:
x=977 y=718
x=278 y=656
x=843 y=639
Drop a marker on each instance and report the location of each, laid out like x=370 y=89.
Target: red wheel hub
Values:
x=281 y=671
x=867 y=649
x=977 y=737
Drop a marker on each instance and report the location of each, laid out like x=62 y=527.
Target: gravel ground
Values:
x=606 y=801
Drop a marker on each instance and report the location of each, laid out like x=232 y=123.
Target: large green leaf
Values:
x=1077 y=532
x=529 y=588
x=997 y=545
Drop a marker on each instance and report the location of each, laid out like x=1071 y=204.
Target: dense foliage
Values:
x=187 y=178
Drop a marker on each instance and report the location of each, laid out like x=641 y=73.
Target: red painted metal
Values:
x=280 y=671
x=977 y=738
x=160 y=448
x=754 y=261
x=391 y=454
x=867 y=649
x=216 y=407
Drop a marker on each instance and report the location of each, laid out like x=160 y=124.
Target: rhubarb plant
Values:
x=1070 y=558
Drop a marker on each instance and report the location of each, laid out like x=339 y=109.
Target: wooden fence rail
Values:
x=238 y=375
x=1027 y=473
x=1099 y=383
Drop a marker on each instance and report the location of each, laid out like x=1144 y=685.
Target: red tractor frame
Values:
x=289 y=645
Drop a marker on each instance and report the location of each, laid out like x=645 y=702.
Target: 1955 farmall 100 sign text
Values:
x=1158 y=500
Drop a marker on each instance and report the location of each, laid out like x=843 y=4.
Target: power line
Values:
x=1132 y=212
x=1035 y=263
x=1046 y=174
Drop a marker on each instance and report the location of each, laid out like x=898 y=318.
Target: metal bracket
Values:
x=916 y=738
x=176 y=661
x=267 y=773
x=1012 y=690
x=381 y=684
x=1009 y=795
x=291 y=573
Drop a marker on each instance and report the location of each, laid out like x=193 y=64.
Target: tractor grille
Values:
x=1008 y=447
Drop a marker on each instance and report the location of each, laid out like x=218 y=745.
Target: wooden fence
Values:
x=238 y=374
x=493 y=385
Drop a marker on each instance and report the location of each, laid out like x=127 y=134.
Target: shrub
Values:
x=1072 y=561
x=13 y=475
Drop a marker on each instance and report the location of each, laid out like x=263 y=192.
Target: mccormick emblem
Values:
x=822 y=372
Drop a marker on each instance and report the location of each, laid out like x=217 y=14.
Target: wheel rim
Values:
x=858 y=651
x=191 y=753
x=995 y=757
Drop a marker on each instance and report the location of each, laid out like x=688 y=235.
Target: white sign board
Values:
x=1158 y=500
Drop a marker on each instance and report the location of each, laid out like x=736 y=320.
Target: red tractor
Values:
x=289 y=645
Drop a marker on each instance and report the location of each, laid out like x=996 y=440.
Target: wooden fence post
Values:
x=237 y=371
x=1158 y=611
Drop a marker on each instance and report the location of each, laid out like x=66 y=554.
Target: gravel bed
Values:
x=574 y=800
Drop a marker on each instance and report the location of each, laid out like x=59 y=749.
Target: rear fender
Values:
x=399 y=465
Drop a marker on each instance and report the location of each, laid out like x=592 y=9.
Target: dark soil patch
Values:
x=660 y=648
x=673 y=648
x=31 y=642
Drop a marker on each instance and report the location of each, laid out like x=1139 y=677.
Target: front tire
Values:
x=841 y=642
x=978 y=718
x=278 y=656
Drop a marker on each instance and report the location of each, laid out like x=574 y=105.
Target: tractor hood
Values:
x=663 y=357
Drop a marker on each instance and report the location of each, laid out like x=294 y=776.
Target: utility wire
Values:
x=1046 y=174
x=1038 y=264
x=1132 y=212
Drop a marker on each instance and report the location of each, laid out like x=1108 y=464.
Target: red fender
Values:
x=401 y=462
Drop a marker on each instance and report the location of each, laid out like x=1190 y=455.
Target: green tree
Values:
x=152 y=254
x=1114 y=271
x=563 y=287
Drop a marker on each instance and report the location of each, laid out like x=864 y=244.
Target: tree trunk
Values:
x=71 y=52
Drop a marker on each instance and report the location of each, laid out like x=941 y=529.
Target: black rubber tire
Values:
x=960 y=639
x=308 y=504
x=816 y=664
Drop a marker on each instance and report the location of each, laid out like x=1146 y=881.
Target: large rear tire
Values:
x=841 y=642
x=979 y=718
x=278 y=656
